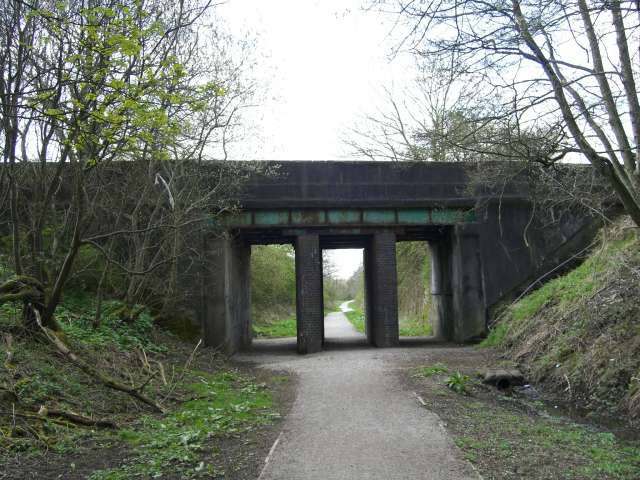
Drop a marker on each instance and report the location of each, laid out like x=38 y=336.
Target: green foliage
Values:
x=120 y=109
x=356 y=317
x=457 y=382
x=431 y=370
x=415 y=328
x=276 y=328
x=414 y=292
x=76 y=315
x=587 y=453
x=89 y=265
x=273 y=281
x=334 y=292
x=10 y=315
x=226 y=403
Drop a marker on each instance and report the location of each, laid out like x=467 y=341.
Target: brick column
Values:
x=468 y=302
x=384 y=290
x=309 y=293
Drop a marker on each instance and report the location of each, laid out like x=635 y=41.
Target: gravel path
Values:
x=353 y=418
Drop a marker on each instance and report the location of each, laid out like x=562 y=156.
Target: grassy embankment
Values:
x=212 y=411
x=579 y=334
x=285 y=327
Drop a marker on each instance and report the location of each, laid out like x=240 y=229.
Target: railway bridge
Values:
x=477 y=240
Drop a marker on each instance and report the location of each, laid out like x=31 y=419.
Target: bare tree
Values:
x=568 y=67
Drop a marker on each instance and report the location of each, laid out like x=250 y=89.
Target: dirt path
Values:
x=353 y=418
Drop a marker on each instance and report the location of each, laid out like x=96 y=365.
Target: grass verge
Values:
x=224 y=403
x=507 y=436
x=216 y=419
x=356 y=317
x=276 y=328
x=408 y=328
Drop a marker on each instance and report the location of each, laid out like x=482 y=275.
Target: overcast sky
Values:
x=323 y=66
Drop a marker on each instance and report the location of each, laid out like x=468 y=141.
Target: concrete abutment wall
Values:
x=226 y=294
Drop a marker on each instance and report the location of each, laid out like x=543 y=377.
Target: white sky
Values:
x=345 y=261
x=323 y=66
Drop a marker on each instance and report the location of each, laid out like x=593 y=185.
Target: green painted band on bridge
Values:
x=348 y=217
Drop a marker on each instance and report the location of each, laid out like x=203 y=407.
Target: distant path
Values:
x=338 y=327
x=344 y=306
x=353 y=418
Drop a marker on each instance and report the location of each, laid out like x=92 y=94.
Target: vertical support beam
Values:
x=226 y=318
x=469 y=309
x=322 y=291
x=384 y=283
x=441 y=314
x=241 y=292
x=309 y=293
x=368 y=294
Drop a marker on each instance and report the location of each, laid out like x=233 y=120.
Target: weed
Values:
x=496 y=335
x=457 y=382
x=512 y=439
x=407 y=328
x=280 y=379
x=76 y=320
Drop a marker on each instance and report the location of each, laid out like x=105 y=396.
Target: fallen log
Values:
x=56 y=416
x=76 y=418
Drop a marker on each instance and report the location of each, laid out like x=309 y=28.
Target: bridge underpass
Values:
x=478 y=249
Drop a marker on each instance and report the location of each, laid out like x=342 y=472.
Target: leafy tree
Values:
x=273 y=281
x=88 y=88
